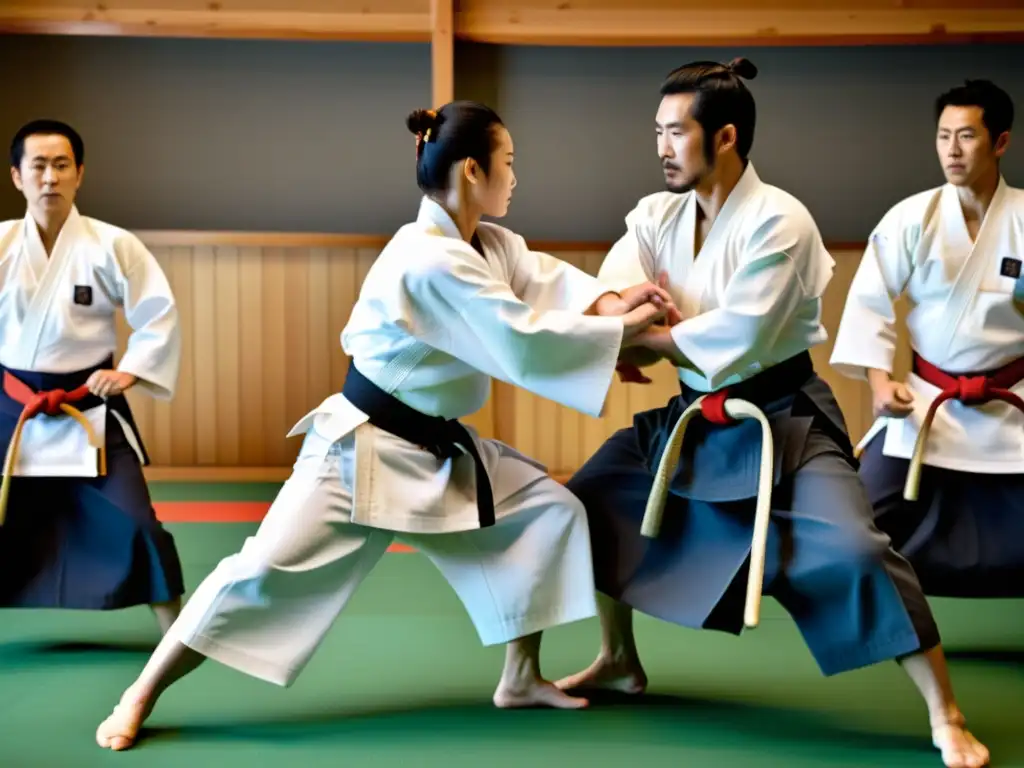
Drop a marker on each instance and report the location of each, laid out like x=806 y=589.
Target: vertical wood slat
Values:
x=261 y=330
x=274 y=343
x=262 y=346
x=251 y=358
x=226 y=337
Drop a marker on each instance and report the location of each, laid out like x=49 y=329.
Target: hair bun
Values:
x=743 y=68
x=420 y=121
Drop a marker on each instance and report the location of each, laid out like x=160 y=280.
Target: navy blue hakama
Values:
x=90 y=543
x=964 y=535
x=854 y=599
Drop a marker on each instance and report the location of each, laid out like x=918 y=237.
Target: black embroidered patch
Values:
x=1010 y=267
x=83 y=295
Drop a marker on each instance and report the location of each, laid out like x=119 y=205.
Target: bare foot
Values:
x=608 y=674
x=958 y=746
x=119 y=730
x=534 y=693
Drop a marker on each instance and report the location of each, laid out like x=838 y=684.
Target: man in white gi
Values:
x=744 y=263
x=944 y=462
x=451 y=302
x=77 y=528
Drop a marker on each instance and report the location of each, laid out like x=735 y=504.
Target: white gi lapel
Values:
x=693 y=268
x=35 y=256
x=50 y=275
x=954 y=225
x=709 y=260
x=976 y=259
x=991 y=243
x=435 y=220
x=743 y=191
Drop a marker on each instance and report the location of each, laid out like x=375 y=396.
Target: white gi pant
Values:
x=265 y=610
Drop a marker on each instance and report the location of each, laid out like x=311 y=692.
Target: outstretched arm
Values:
x=542 y=280
x=457 y=305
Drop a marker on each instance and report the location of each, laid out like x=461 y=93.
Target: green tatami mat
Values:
x=207 y=492
x=401 y=680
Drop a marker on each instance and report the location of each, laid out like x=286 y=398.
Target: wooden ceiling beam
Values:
x=533 y=22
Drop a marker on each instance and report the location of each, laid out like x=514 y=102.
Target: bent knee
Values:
x=251 y=562
x=270 y=549
x=867 y=548
x=559 y=508
x=851 y=551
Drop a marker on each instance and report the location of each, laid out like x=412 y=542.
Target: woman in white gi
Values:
x=450 y=303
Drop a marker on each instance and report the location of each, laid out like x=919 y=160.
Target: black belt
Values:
x=781 y=380
x=441 y=437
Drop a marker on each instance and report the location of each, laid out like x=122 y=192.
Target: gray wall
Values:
x=255 y=135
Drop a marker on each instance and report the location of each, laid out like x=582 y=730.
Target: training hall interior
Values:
x=259 y=150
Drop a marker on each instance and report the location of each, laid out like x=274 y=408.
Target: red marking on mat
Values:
x=211 y=511
x=224 y=512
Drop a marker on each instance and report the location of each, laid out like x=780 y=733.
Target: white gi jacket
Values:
x=434 y=323
x=57 y=315
x=962 y=319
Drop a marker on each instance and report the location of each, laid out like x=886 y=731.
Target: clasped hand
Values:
x=648 y=314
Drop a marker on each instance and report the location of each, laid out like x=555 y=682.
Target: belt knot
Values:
x=712 y=408
x=973 y=390
x=46 y=402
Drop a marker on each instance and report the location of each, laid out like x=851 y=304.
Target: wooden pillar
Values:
x=442 y=51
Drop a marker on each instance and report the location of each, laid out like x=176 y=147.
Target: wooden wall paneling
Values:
x=850 y=394
x=226 y=335
x=318 y=329
x=204 y=354
x=251 y=358
x=261 y=341
x=298 y=397
x=182 y=406
x=261 y=334
x=272 y=406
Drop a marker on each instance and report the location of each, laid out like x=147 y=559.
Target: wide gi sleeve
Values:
x=546 y=282
x=784 y=265
x=153 y=352
x=457 y=304
x=866 y=337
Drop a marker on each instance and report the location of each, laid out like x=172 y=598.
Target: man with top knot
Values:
x=746 y=266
